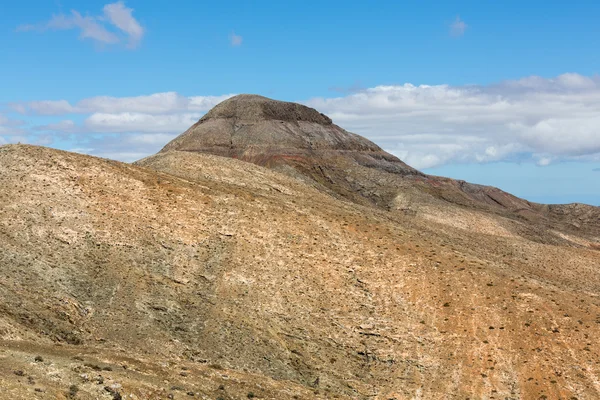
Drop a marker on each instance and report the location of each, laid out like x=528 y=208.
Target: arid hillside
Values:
x=219 y=279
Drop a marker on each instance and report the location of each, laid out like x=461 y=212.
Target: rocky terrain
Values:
x=336 y=272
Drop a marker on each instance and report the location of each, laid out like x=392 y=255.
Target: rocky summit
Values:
x=293 y=139
x=268 y=253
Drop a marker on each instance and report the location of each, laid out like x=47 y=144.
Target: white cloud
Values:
x=139 y=122
x=123 y=147
x=10 y=126
x=89 y=26
x=12 y=131
x=458 y=27
x=154 y=103
x=235 y=40
x=95 y=28
x=64 y=126
x=44 y=107
x=157 y=103
x=120 y=16
x=549 y=119
x=205 y=103
x=544 y=161
x=131 y=127
x=7 y=130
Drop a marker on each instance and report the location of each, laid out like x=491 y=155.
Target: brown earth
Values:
x=192 y=274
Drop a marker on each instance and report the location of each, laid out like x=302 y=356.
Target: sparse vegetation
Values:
x=73 y=390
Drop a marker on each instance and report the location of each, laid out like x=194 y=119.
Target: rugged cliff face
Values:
x=191 y=274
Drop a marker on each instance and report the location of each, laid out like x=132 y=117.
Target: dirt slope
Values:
x=223 y=279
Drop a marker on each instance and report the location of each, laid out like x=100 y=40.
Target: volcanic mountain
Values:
x=336 y=272
x=303 y=143
x=293 y=139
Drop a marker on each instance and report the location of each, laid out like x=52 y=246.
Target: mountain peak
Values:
x=293 y=138
x=253 y=108
x=246 y=126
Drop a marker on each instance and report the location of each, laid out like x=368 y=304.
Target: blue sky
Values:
x=500 y=93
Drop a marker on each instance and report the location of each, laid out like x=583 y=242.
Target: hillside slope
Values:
x=224 y=279
x=303 y=143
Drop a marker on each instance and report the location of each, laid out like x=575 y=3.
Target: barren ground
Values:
x=232 y=281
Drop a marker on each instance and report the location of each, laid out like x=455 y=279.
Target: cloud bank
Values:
x=123 y=128
x=546 y=120
x=534 y=119
x=157 y=103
